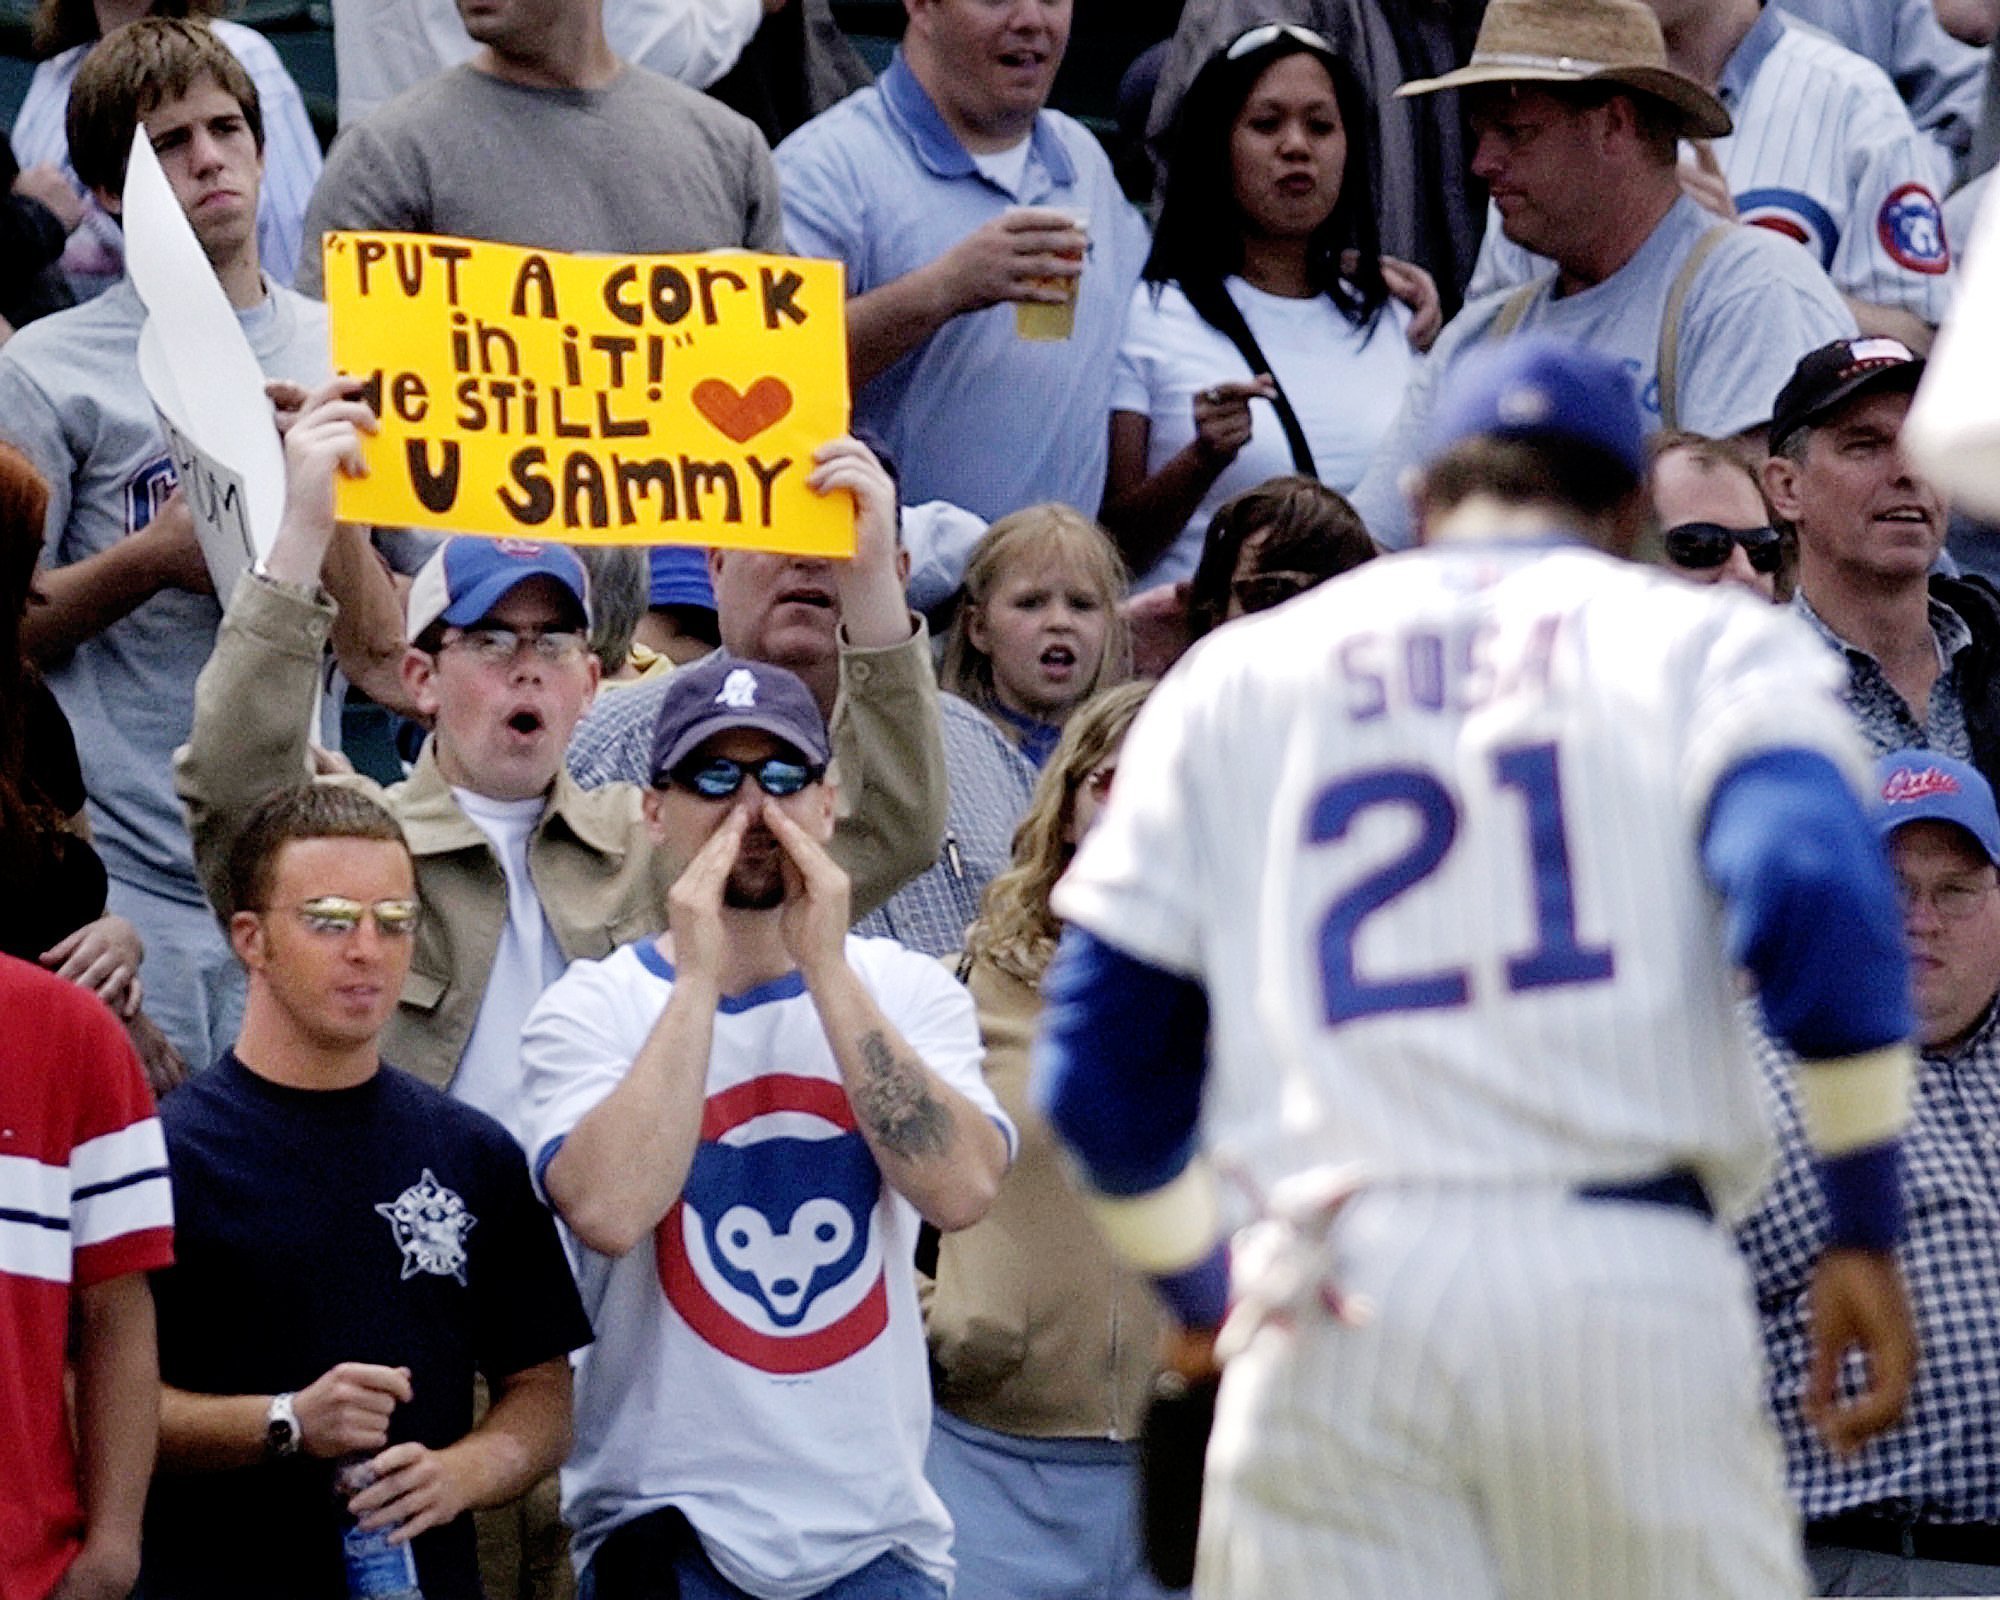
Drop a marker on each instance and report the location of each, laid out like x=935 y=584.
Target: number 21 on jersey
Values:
x=1556 y=958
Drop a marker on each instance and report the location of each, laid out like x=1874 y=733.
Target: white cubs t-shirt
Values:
x=760 y=1361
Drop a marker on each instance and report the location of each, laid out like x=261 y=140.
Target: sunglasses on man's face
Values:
x=1702 y=545
x=718 y=777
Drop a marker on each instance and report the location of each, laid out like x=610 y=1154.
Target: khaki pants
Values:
x=523 y=1547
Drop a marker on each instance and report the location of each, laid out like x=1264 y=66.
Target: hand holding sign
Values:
x=593 y=399
x=323 y=442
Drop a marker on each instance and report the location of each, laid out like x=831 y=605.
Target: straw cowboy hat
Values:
x=1582 y=41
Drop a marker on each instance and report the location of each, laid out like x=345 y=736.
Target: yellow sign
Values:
x=593 y=399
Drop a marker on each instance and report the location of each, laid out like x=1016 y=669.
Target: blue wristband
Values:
x=1198 y=1296
x=1864 y=1197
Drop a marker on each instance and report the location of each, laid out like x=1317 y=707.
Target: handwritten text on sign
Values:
x=594 y=399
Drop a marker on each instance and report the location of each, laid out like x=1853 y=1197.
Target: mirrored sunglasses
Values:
x=336 y=916
x=718 y=777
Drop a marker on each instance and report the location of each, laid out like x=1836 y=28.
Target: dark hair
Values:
x=301 y=811
x=1307 y=527
x=618 y=588
x=135 y=70
x=24 y=504
x=1193 y=247
x=61 y=25
x=1575 y=477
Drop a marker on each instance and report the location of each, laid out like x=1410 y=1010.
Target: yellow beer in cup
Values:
x=1048 y=323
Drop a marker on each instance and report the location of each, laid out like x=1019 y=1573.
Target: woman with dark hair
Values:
x=64 y=31
x=1266 y=337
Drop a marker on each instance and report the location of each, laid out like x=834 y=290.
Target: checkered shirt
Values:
x=990 y=786
x=1942 y=1462
x=1887 y=722
x=614 y=742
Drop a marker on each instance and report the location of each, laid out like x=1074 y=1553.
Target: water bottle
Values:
x=376 y=1569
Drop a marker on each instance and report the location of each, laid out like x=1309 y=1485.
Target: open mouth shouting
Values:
x=526 y=723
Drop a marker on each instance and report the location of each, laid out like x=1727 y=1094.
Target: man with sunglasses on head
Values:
x=742 y=1122
x=1714 y=525
x=1918 y=1512
x=1922 y=652
x=352 y=1248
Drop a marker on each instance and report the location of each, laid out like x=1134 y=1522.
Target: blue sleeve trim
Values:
x=1864 y=1196
x=1810 y=904
x=543 y=1157
x=1119 y=1064
x=1199 y=1296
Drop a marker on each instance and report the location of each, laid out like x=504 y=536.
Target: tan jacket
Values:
x=590 y=856
x=1035 y=1328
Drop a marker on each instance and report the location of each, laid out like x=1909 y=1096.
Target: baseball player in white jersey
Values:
x=1823 y=152
x=1463 y=852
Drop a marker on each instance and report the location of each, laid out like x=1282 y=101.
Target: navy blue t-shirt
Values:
x=385 y=1223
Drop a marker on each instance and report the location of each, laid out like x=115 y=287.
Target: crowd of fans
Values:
x=576 y=840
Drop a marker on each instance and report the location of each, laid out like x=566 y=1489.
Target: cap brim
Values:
x=484 y=595
x=1702 y=116
x=727 y=721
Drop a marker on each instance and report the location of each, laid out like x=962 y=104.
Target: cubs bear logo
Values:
x=771 y=1254
x=1911 y=228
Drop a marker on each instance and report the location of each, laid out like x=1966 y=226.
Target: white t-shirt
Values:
x=527 y=962
x=1005 y=167
x=760 y=1361
x=1344 y=382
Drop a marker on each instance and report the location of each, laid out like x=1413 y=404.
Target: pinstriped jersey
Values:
x=1824 y=153
x=1429 y=838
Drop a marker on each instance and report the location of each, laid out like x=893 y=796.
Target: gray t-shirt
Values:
x=641 y=166
x=1757 y=304
x=72 y=401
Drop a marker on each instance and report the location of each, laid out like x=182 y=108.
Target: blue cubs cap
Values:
x=1545 y=391
x=1923 y=786
x=679 y=577
x=721 y=692
x=469 y=576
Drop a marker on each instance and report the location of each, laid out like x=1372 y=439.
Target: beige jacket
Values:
x=1035 y=1328
x=590 y=857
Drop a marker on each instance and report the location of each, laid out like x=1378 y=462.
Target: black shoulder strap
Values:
x=1215 y=307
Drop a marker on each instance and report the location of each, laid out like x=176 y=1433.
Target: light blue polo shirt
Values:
x=977 y=416
x=1757 y=304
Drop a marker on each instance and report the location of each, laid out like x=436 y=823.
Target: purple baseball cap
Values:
x=721 y=692
x=1923 y=786
x=469 y=576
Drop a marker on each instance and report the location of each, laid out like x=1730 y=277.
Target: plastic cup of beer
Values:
x=1049 y=323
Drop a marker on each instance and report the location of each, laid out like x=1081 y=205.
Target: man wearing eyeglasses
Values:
x=1714 y=525
x=742 y=1123
x=1922 y=652
x=1918 y=1512
x=352 y=1247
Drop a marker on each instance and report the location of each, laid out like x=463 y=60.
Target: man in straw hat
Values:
x=1823 y=152
x=1578 y=121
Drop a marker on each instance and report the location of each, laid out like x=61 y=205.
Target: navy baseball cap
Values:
x=1834 y=374
x=678 y=576
x=721 y=692
x=1923 y=786
x=469 y=576
x=1542 y=390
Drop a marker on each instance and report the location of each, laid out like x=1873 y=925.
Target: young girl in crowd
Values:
x=1043 y=1344
x=1038 y=629
x=1263 y=339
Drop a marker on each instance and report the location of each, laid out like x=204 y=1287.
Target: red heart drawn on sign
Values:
x=743 y=416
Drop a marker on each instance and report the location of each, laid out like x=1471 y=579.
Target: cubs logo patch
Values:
x=1911 y=229
x=1795 y=216
x=519 y=549
x=771 y=1254
x=430 y=1224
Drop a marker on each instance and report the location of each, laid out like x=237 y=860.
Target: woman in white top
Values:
x=64 y=32
x=1267 y=223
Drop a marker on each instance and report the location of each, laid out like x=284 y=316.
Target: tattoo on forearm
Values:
x=896 y=1102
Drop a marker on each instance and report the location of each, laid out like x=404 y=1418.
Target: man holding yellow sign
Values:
x=593 y=399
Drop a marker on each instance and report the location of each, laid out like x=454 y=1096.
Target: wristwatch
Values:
x=281 y=1427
